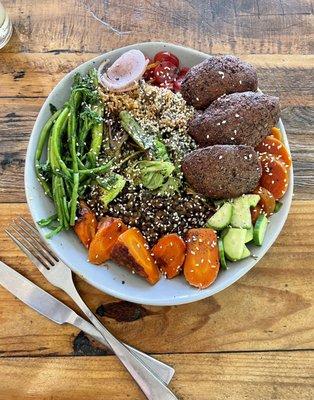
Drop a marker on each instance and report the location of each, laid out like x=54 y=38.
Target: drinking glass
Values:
x=5 y=27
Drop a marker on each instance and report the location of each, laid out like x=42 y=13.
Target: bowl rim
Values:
x=123 y=295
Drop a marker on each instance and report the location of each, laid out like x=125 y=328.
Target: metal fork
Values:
x=151 y=375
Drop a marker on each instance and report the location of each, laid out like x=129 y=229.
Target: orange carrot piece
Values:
x=132 y=251
x=276 y=133
x=201 y=264
x=267 y=200
x=271 y=145
x=255 y=213
x=274 y=176
x=109 y=229
x=86 y=225
x=169 y=253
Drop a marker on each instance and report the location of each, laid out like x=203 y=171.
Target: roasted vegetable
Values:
x=152 y=174
x=255 y=213
x=86 y=225
x=201 y=264
x=267 y=200
x=271 y=145
x=109 y=229
x=274 y=176
x=110 y=185
x=169 y=253
x=276 y=133
x=145 y=141
x=131 y=250
x=97 y=136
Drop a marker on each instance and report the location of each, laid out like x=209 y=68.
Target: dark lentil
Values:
x=154 y=215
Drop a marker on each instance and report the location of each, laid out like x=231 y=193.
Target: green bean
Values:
x=56 y=136
x=80 y=164
x=76 y=181
x=97 y=136
x=72 y=127
x=97 y=170
x=57 y=199
x=54 y=232
x=44 y=135
x=46 y=222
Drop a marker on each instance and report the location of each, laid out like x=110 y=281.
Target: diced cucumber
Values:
x=260 y=230
x=246 y=252
x=277 y=206
x=221 y=218
x=249 y=234
x=241 y=216
x=233 y=243
x=222 y=257
x=252 y=199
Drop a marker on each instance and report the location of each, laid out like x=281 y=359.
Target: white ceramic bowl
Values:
x=109 y=278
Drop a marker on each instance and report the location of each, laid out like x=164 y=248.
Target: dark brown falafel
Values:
x=222 y=171
x=239 y=118
x=215 y=76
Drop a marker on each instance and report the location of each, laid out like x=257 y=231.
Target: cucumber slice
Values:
x=245 y=253
x=222 y=257
x=252 y=199
x=241 y=216
x=278 y=206
x=249 y=234
x=233 y=243
x=260 y=230
x=221 y=218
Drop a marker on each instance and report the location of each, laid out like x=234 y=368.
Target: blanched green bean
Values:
x=56 y=135
x=73 y=205
x=44 y=135
x=97 y=170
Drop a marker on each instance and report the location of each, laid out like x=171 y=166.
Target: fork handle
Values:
x=163 y=371
x=152 y=387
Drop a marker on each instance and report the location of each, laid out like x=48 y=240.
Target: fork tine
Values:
x=33 y=233
x=31 y=246
x=41 y=266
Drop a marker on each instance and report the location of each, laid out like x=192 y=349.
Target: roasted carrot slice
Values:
x=255 y=213
x=271 y=145
x=274 y=176
x=132 y=251
x=169 y=253
x=276 y=133
x=201 y=264
x=109 y=229
x=267 y=200
x=86 y=224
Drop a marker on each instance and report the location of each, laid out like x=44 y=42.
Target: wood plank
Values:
x=217 y=27
x=268 y=309
x=258 y=376
x=35 y=75
x=17 y=117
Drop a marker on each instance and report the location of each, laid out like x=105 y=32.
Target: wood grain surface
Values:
x=254 y=340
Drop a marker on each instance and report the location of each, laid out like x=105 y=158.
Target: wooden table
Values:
x=253 y=340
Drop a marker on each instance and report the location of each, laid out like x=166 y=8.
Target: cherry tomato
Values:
x=167 y=85
x=165 y=72
x=166 y=56
x=149 y=73
x=177 y=83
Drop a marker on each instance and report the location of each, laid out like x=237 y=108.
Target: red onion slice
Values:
x=124 y=73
